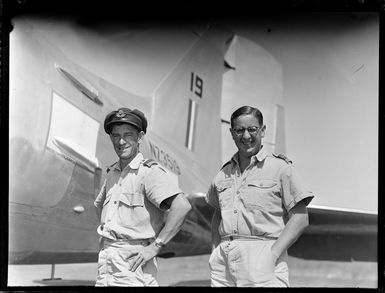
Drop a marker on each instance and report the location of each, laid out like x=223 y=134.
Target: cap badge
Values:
x=120 y=114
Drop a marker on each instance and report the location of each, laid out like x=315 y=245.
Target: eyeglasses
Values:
x=252 y=130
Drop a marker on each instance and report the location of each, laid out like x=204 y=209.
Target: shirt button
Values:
x=235 y=231
x=235 y=211
x=115 y=202
x=238 y=192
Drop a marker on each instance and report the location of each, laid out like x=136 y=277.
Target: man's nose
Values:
x=246 y=134
x=122 y=141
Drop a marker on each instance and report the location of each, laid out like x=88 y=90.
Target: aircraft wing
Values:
x=338 y=234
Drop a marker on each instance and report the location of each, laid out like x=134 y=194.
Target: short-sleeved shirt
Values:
x=256 y=202
x=130 y=200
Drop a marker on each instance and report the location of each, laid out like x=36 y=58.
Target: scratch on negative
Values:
x=359 y=68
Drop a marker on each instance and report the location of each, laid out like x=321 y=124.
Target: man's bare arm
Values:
x=297 y=223
x=216 y=220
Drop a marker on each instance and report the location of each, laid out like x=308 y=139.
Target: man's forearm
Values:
x=98 y=213
x=216 y=220
x=297 y=223
x=180 y=207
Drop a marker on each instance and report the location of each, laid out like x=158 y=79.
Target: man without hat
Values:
x=260 y=210
x=131 y=206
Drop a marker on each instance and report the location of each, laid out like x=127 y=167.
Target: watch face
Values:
x=159 y=243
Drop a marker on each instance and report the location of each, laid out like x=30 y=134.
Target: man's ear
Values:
x=263 y=131
x=140 y=136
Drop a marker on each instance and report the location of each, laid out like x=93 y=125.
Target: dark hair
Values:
x=246 y=110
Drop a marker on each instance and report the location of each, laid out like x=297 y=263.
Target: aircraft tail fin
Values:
x=279 y=143
x=190 y=98
x=254 y=78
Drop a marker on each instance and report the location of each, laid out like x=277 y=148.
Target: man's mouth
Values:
x=247 y=143
x=122 y=149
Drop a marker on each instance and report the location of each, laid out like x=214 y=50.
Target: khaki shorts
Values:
x=114 y=261
x=247 y=263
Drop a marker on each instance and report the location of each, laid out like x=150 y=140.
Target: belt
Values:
x=110 y=236
x=246 y=237
x=144 y=242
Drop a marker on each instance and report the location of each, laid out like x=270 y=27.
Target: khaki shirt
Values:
x=130 y=200
x=257 y=202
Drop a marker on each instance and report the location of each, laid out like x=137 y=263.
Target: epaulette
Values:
x=283 y=157
x=109 y=168
x=225 y=164
x=149 y=163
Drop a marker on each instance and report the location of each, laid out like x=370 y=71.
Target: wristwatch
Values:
x=159 y=243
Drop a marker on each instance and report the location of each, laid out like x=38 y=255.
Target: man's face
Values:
x=125 y=139
x=247 y=134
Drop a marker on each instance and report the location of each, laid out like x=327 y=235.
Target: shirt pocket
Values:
x=131 y=211
x=262 y=193
x=225 y=195
x=132 y=199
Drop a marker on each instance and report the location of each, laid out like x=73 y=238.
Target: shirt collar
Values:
x=234 y=159
x=260 y=156
x=134 y=164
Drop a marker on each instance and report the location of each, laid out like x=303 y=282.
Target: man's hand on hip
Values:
x=142 y=256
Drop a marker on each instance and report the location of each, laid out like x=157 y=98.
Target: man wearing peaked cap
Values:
x=124 y=115
x=131 y=206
